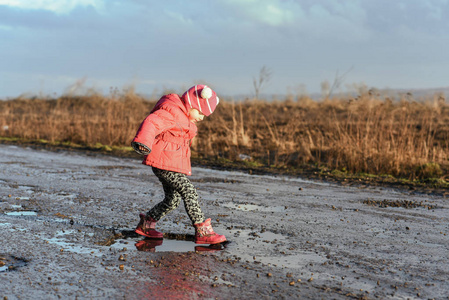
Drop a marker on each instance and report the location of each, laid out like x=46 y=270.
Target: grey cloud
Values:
x=171 y=41
x=81 y=18
x=416 y=15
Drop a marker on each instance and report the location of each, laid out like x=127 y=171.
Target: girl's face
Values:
x=195 y=115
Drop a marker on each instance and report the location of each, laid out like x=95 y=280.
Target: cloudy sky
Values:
x=49 y=47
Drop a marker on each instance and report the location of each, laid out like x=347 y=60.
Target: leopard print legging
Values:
x=176 y=187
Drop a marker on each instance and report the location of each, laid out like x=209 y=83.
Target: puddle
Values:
x=10 y=263
x=267 y=236
x=184 y=242
x=23 y=189
x=256 y=239
x=292 y=261
x=64 y=195
x=22 y=198
x=429 y=245
x=254 y=207
x=297 y=260
x=153 y=245
x=28 y=189
x=172 y=242
x=21 y=213
x=165 y=245
x=360 y=284
x=71 y=247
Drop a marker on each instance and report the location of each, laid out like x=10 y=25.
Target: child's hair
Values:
x=202 y=98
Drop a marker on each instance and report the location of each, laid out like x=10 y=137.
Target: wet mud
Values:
x=67 y=221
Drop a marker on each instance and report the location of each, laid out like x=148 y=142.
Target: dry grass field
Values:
x=370 y=134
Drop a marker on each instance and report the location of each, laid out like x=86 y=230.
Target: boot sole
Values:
x=147 y=235
x=209 y=243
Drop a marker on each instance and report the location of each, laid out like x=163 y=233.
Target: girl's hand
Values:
x=140 y=148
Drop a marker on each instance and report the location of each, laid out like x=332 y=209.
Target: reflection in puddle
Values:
x=167 y=245
x=148 y=245
x=251 y=207
x=173 y=246
x=172 y=242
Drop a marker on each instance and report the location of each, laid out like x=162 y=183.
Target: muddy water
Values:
x=67 y=220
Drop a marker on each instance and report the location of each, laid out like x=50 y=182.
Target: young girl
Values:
x=164 y=138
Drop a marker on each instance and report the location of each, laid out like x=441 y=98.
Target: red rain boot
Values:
x=148 y=245
x=146 y=227
x=204 y=234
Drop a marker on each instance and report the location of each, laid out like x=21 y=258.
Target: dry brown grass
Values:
x=369 y=134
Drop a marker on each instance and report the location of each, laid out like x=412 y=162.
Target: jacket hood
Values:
x=171 y=100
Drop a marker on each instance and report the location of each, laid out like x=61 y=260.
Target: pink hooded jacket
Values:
x=167 y=131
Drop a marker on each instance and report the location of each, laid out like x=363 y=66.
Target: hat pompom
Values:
x=206 y=93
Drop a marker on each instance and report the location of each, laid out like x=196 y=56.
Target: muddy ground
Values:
x=67 y=220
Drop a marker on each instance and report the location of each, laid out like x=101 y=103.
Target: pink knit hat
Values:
x=202 y=98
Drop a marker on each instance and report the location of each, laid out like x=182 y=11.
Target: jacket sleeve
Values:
x=153 y=125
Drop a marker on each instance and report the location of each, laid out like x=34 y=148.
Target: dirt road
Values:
x=67 y=220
